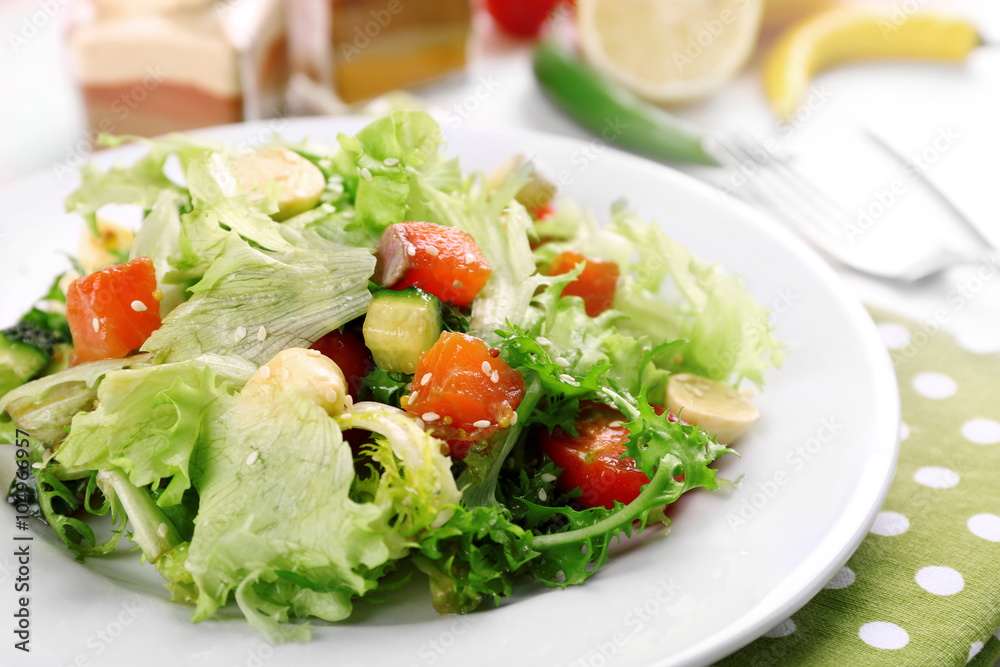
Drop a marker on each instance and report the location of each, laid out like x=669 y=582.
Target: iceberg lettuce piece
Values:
x=276 y=524
x=251 y=305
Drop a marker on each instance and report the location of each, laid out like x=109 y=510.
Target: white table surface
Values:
x=42 y=127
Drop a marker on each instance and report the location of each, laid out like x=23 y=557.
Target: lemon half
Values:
x=669 y=51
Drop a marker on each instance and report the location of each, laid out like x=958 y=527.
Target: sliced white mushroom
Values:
x=316 y=377
x=300 y=182
x=716 y=407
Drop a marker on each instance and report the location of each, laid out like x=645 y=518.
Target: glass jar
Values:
x=148 y=67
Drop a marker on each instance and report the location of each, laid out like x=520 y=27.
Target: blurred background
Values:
x=883 y=112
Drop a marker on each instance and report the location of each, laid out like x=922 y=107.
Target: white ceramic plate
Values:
x=814 y=471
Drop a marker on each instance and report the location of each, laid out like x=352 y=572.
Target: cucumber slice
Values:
x=19 y=362
x=400 y=326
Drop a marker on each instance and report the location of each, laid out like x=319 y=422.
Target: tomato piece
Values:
x=545 y=212
x=521 y=18
x=348 y=352
x=591 y=459
x=463 y=392
x=443 y=261
x=596 y=285
x=112 y=311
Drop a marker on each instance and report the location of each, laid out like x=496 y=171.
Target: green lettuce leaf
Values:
x=149 y=421
x=274 y=489
x=46 y=406
x=667 y=293
x=275 y=304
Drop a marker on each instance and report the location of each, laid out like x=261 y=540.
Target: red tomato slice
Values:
x=591 y=459
x=521 y=18
x=348 y=352
x=463 y=392
x=596 y=285
x=112 y=311
x=443 y=261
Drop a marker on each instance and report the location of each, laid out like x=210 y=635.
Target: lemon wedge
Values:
x=668 y=51
x=849 y=33
x=717 y=408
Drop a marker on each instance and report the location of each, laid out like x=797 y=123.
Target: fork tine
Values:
x=780 y=163
x=779 y=195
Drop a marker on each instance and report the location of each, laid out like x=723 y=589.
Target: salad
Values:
x=316 y=372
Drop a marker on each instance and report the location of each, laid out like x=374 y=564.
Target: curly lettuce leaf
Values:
x=667 y=293
x=411 y=479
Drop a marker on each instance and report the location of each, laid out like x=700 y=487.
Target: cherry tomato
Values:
x=350 y=354
x=591 y=460
x=443 y=261
x=463 y=392
x=521 y=18
x=596 y=285
x=112 y=311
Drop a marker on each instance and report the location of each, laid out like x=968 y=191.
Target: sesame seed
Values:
x=331 y=395
x=542 y=340
x=390 y=162
x=241 y=333
x=138 y=306
x=487 y=368
x=567 y=378
x=495 y=378
x=458 y=284
x=314 y=353
x=542 y=495
x=513 y=419
x=162 y=530
x=38 y=466
x=562 y=362
x=96 y=323
x=419 y=422
x=289 y=256
x=430 y=417
x=425 y=380
x=615 y=424
x=548 y=478
x=282 y=373
x=410 y=250
x=432 y=251
x=366 y=174
x=261 y=333
x=413 y=396
x=482 y=423
x=469 y=258
x=348 y=215
x=408 y=386
x=252 y=457
x=265 y=372
x=349 y=400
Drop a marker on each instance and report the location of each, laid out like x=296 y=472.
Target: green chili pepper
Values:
x=612 y=112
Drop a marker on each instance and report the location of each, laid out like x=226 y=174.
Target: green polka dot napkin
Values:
x=924 y=586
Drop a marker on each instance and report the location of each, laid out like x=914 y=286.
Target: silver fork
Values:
x=817 y=215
